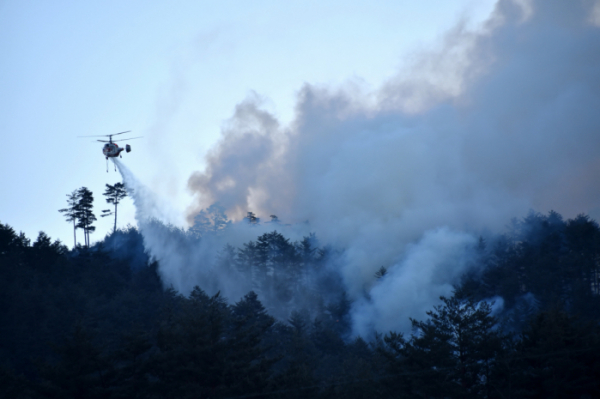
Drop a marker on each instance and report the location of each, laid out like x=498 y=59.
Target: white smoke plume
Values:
x=498 y=121
x=184 y=261
x=428 y=270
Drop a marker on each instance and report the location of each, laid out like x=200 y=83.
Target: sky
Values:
x=174 y=72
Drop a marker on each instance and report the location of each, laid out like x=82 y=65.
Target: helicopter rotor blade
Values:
x=128 y=139
x=107 y=135
x=126 y=131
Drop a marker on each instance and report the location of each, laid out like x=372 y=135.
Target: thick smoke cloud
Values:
x=494 y=123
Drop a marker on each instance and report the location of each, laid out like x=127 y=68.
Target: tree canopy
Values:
x=114 y=194
x=97 y=322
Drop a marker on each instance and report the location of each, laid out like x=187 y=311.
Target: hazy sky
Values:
x=173 y=72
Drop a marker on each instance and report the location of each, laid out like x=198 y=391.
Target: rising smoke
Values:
x=496 y=122
x=185 y=261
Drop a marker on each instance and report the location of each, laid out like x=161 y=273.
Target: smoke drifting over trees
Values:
x=495 y=122
x=92 y=323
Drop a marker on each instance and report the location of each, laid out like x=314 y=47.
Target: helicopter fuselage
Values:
x=111 y=150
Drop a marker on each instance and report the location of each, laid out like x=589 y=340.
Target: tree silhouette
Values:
x=85 y=216
x=114 y=194
x=212 y=220
x=381 y=272
x=452 y=353
x=252 y=219
x=71 y=212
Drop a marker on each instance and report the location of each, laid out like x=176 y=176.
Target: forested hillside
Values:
x=97 y=323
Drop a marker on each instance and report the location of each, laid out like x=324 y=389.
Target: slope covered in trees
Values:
x=97 y=322
x=541 y=262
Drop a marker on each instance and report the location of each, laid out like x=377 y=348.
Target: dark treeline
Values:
x=97 y=323
x=540 y=263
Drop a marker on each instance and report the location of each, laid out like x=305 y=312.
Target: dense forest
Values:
x=97 y=322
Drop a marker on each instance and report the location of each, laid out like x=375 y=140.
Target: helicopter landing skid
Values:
x=107 y=165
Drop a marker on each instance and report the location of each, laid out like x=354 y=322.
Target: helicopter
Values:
x=112 y=150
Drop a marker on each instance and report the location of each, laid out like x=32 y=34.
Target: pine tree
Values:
x=381 y=272
x=84 y=214
x=212 y=220
x=454 y=351
x=71 y=212
x=252 y=219
x=114 y=194
x=191 y=346
x=247 y=366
